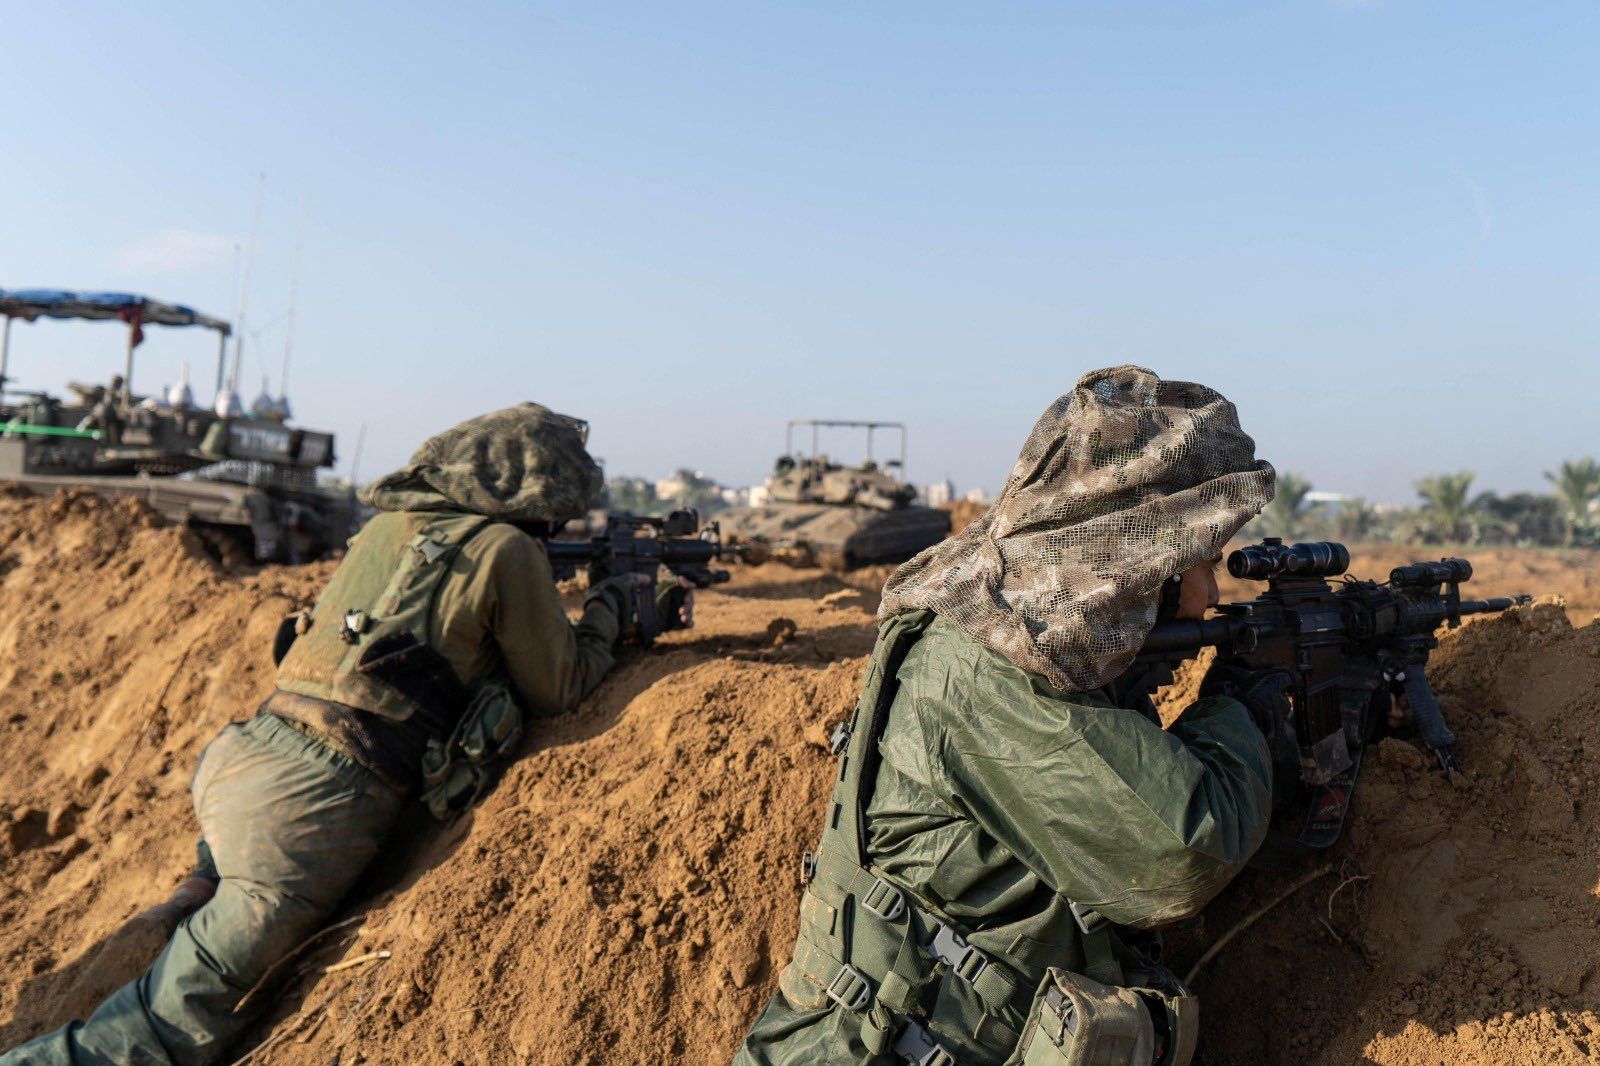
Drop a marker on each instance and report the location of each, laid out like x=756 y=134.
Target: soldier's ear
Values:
x=1171 y=598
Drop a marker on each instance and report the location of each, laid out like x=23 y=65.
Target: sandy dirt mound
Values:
x=123 y=649
x=628 y=893
x=1458 y=923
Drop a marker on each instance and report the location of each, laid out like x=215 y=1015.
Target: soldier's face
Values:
x=1197 y=592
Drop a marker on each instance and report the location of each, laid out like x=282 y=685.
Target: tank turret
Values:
x=820 y=511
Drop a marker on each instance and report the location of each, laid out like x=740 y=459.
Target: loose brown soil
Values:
x=628 y=893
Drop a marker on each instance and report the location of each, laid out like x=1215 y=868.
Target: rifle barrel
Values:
x=1192 y=634
x=570 y=551
x=675 y=551
x=1491 y=606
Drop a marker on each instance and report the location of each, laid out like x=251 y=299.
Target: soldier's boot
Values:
x=195 y=892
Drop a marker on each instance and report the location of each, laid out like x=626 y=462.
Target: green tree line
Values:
x=1448 y=512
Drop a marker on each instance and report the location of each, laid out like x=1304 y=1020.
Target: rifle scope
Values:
x=1273 y=558
x=1430 y=575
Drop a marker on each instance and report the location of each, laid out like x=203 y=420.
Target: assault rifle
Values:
x=1350 y=650
x=642 y=545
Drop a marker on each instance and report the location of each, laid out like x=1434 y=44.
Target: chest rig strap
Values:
x=425 y=563
x=876 y=949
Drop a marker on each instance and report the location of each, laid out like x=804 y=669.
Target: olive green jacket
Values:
x=497 y=609
x=999 y=798
x=503 y=607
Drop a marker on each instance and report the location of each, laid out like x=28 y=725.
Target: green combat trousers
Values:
x=291 y=824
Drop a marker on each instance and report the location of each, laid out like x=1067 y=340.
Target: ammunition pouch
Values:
x=459 y=768
x=419 y=675
x=1077 y=1021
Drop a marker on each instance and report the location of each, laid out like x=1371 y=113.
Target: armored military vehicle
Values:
x=245 y=480
x=818 y=512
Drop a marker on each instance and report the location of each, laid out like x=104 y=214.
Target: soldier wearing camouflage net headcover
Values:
x=1008 y=827
x=523 y=464
x=1124 y=482
x=442 y=622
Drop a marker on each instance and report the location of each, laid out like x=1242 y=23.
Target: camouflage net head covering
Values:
x=1124 y=482
x=522 y=464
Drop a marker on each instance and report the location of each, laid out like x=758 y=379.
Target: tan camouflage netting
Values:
x=519 y=464
x=1124 y=482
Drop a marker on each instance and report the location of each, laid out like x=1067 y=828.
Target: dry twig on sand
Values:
x=1194 y=971
x=351 y=1020
x=278 y=966
x=1342 y=884
x=359 y=960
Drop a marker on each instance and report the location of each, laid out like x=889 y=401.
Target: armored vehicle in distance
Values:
x=246 y=478
x=818 y=512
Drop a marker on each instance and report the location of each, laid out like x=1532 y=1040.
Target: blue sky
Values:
x=1375 y=226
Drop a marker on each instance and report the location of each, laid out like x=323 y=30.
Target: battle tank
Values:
x=240 y=479
x=819 y=512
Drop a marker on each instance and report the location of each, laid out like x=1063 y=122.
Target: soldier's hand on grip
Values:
x=1264 y=693
x=675 y=604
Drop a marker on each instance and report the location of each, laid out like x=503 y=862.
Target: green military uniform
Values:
x=999 y=803
x=1010 y=820
x=294 y=803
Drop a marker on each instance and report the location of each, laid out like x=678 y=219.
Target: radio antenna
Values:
x=294 y=295
x=244 y=288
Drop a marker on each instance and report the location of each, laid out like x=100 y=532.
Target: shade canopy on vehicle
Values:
x=29 y=304
x=134 y=310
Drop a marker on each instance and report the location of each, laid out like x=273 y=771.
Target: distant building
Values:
x=672 y=488
x=976 y=495
x=758 y=495
x=939 y=493
x=1331 y=504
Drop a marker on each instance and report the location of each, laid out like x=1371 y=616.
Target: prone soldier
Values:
x=441 y=628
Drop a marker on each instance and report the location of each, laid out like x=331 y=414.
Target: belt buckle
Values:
x=964 y=960
x=850 y=989
x=884 y=900
x=971 y=965
x=917 y=1046
x=1090 y=921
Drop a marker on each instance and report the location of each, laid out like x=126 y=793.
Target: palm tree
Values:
x=1357 y=518
x=1445 y=499
x=1577 y=484
x=1287 y=511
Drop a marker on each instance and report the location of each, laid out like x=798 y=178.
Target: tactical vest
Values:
x=923 y=985
x=383 y=595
